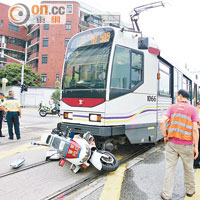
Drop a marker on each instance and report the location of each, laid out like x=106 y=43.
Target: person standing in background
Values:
x=1 y=113
x=197 y=161
x=13 y=110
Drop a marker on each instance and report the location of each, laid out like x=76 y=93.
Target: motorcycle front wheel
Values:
x=42 y=113
x=109 y=161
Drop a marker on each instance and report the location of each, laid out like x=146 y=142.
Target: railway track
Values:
x=73 y=187
x=24 y=168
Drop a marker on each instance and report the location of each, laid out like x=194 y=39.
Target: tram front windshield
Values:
x=87 y=58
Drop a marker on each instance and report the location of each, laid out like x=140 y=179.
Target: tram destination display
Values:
x=92 y=37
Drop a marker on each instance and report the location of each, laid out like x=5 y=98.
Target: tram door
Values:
x=164 y=99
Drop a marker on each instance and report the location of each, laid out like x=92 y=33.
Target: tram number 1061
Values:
x=151 y=98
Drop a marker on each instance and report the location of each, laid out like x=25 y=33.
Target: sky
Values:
x=174 y=27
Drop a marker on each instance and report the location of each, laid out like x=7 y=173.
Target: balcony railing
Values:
x=3 y=59
x=32 y=56
x=84 y=23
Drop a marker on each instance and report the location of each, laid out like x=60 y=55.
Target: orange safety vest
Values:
x=180 y=124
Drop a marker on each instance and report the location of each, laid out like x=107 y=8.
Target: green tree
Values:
x=56 y=95
x=12 y=72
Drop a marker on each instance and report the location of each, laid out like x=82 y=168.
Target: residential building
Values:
x=47 y=43
x=12 y=37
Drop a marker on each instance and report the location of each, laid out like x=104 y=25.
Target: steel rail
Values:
x=23 y=168
x=85 y=181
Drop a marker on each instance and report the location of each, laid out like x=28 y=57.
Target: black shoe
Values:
x=18 y=138
x=196 y=166
x=10 y=138
x=2 y=135
x=190 y=195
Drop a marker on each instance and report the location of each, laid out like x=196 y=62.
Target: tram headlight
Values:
x=68 y=115
x=95 y=117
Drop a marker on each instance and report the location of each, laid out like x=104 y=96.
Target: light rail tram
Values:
x=117 y=85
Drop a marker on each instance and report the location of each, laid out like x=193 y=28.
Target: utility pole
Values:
x=22 y=94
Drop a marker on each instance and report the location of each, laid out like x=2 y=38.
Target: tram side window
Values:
x=180 y=77
x=175 y=82
x=186 y=84
x=137 y=69
x=121 y=69
x=164 y=83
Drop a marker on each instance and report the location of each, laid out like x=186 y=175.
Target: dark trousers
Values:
x=197 y=161
x=13 y=119
x=1 y=119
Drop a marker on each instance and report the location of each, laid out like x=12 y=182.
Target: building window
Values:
x=44 y=78
x=17 y=55
x=34 y=49
x=34 y=64
x=95 y=20
x=13 y=27
x=35 y=34
x=44 y=59
x=164 y=81
x=57 y=77
x=45 y=42
x=1 y=24
x=68 y=26
x=66 y=42
x=69 y=9
x=46 y=27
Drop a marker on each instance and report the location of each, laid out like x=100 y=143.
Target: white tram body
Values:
x=116 y=85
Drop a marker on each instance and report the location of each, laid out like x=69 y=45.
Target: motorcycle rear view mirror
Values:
x=46 y=139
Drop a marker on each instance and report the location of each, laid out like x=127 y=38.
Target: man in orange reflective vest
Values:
x=181 y=139
x=197 y=161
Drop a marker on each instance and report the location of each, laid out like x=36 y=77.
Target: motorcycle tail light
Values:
x=68 y=115
x=62 y=162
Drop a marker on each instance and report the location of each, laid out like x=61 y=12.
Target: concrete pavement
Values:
x=139 y=179
x=142 y=180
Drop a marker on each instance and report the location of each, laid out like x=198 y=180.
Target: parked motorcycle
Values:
x=79 y=151
x=45 y=110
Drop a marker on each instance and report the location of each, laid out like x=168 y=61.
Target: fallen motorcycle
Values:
x=79 y=151
x=45 y=110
